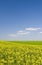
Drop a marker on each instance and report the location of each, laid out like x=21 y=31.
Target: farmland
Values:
x=20 y=52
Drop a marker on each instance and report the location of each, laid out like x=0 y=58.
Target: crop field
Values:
x=20 y=52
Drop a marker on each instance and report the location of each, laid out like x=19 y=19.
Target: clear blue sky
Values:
x=17 y=15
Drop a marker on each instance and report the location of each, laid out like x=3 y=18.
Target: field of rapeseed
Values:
x=12 y=53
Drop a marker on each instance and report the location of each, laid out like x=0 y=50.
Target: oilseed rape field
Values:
x=20 y=53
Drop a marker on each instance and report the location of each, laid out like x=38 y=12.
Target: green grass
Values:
x=22 y=42
x=28 y=42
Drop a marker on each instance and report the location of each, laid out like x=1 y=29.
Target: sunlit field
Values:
x=20 y=52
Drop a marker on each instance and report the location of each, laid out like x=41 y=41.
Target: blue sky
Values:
x=20 y=19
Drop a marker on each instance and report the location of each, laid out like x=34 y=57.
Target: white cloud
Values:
x=12 y=35
x=32 y=29
x=41 y=32
x=22 y=32
x=19 y=33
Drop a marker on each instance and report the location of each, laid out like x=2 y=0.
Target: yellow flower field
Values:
x=20 y=54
